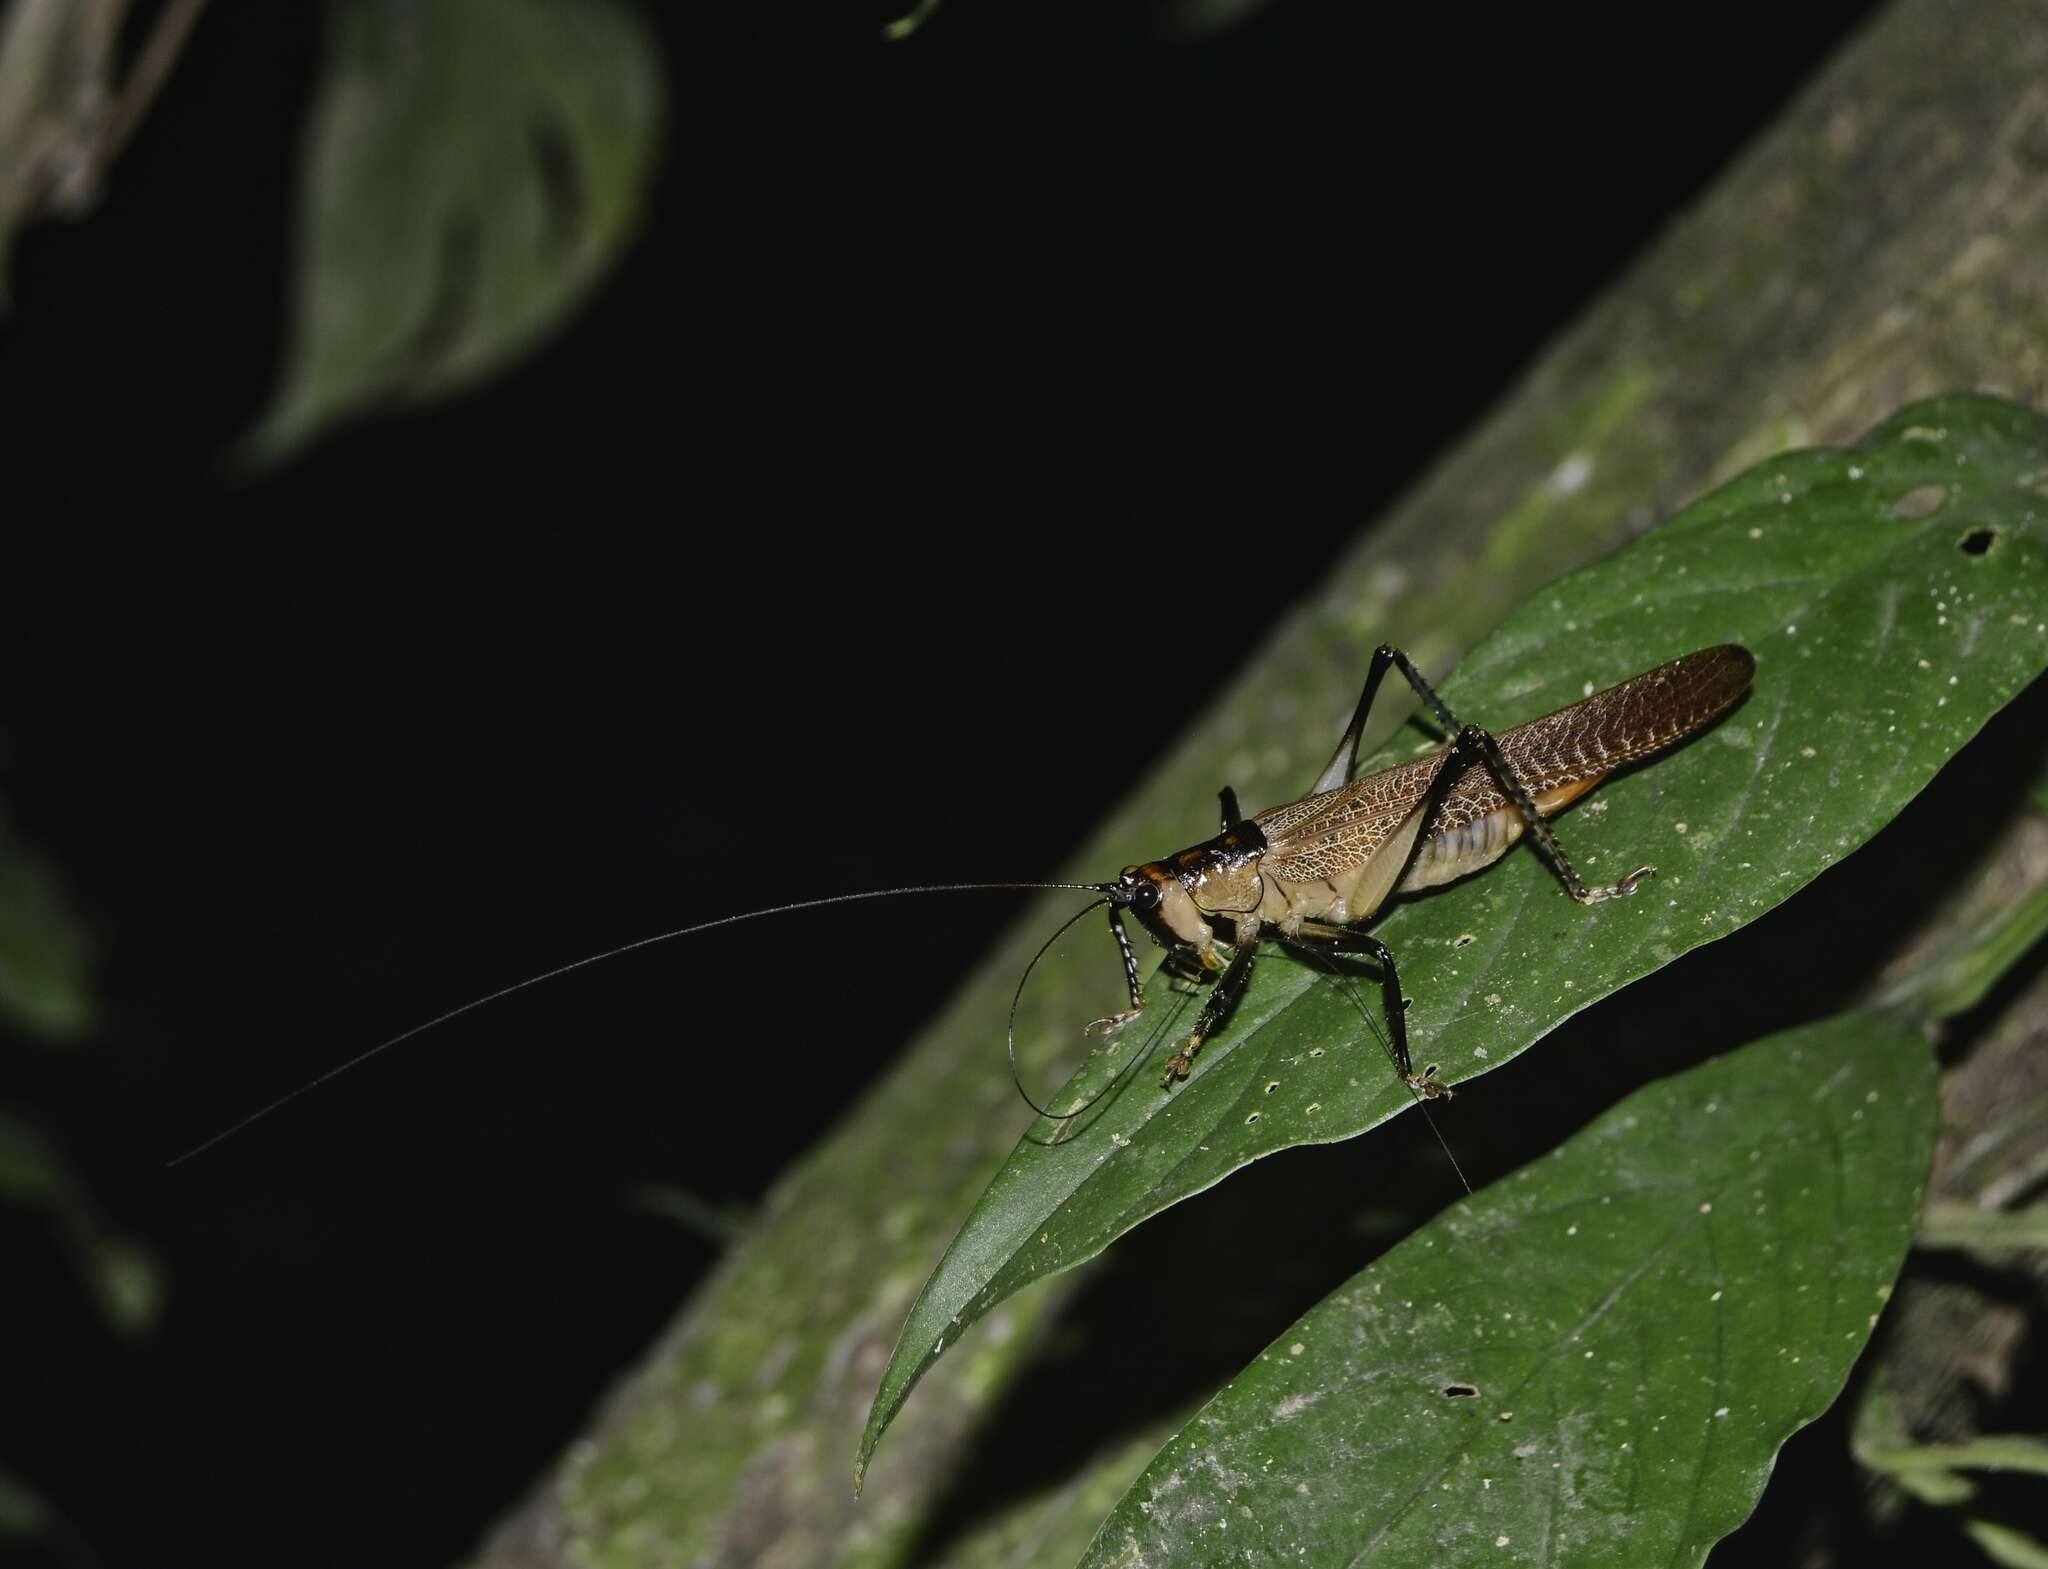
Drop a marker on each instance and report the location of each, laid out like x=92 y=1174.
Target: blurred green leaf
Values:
x=1893 y=593
x=23 y=1514
x=2006 y=1546
x=44 y=956
x=32 y=1174
x=1994 y=1234
x=1191 y=20
x=716 y=1223
x=54 y=85
x=1941 y=1489
x=1995 y=1452
x=1051 y=1527
x=121 y=1275
x=1594 y=1361
x=126 y=1282
x=915 y=17
x=473 y=167
x=1976 y=959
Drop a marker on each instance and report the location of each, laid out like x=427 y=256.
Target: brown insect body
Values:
x=1315 y=871
x=1317 y=867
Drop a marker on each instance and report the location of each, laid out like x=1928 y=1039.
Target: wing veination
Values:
x=1328 y=835
x=1558 y=758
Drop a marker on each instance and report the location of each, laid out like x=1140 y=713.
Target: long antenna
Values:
x=438 y=1020
x=1017 y=998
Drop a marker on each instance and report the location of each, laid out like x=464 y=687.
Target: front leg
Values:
x=1229 y=987
x=1116 y=1021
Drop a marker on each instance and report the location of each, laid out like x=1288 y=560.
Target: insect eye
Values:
x=1146 y=899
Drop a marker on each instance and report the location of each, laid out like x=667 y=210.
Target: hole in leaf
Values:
x=1460 y=1391
x=1978 y=541
x=1922 y=501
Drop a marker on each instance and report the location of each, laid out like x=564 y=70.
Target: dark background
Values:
x=833 y=546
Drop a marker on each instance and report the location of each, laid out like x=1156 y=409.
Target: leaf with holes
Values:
x=473 y=167
x=1594 y=1361
x=1894 y=594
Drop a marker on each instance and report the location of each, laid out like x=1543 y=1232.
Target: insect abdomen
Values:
x=1564 y=754
x=1450 y=853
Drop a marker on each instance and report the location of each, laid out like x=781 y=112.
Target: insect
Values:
x=1313 y=872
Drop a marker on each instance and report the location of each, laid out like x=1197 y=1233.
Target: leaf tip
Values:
x=284 y=430
x=878 y=1419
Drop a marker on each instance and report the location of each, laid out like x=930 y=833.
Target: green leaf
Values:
x=1641 y=1319
x=719 y=1224
x=1189 y=20
x=31 y=1171
x=1893 y=594
x=23 y=1514
x=918 y=14
x=1051 y=1527
x=474 y=166
x=1992 y=1234
x=125 y=1281
x=1976 y=960
x=53 y=80
x=45 y=958
x=1995 y=1452
x=2004 y=1545
x=120 y=1272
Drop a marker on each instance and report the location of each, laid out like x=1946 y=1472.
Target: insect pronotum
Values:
x=1314 y=872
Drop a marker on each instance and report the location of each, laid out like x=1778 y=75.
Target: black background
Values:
x=825 y=550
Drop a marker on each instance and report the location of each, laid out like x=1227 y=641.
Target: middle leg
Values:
x=1347 y=939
